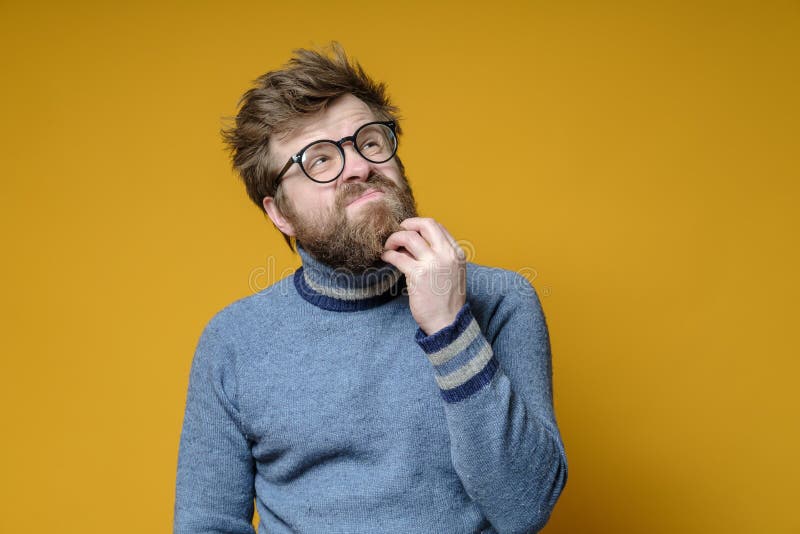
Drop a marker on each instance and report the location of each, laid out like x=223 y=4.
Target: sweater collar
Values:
x=343 y=290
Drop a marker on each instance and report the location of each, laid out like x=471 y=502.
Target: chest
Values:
x=357 y=387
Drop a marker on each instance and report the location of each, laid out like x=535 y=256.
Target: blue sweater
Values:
x=320 y=398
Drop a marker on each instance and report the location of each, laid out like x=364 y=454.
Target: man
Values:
x=388 y=385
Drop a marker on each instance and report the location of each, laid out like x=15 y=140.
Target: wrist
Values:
x=442 y=332
x=431 y=327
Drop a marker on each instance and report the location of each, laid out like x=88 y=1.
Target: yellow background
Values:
x=637 y=161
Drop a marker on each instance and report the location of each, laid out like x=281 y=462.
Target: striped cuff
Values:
x=462 y=358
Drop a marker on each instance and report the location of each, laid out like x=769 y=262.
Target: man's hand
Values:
x=435 y=269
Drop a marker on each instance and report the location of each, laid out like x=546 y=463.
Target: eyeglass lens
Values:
x=324 y=161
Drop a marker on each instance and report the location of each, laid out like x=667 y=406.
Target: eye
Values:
x=319 y=157
x=376 y=142
x=371 y=144
x=317 y=161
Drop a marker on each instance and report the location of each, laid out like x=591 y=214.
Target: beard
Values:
x=355 y=241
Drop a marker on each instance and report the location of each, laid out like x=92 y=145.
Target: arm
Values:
x=505 y=444
x=496 y=383
x=214 y=490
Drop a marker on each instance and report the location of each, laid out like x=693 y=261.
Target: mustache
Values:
x=352 y=190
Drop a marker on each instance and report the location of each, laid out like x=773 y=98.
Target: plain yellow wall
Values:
x=638 y=161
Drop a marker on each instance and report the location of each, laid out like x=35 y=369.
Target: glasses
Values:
x=323 y=161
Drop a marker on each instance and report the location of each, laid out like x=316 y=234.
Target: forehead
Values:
x=340 y=118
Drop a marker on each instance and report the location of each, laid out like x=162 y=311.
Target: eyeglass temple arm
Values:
x=294 y=159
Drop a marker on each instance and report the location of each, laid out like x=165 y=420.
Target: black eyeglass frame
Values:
x=298 y=158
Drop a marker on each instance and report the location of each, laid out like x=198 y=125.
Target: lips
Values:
x=369 y=193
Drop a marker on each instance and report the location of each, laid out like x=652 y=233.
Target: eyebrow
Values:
x=320 y=138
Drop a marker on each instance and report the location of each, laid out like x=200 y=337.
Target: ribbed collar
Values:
x=342 y=290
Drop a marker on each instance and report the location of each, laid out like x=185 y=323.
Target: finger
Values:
x=411 y=241
x=401 y=260
x=452 y=240
x=429 y=229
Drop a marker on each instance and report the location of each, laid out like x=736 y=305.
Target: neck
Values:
x=340 y=289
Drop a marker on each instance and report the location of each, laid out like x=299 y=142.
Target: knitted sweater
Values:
x=320 y=398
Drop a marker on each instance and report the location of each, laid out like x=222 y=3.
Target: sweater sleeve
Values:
x=497 y=392
x=214 y=489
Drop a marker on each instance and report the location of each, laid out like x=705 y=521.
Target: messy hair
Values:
x=281 y=99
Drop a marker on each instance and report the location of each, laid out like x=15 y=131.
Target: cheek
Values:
x=392 y=171
x=312 y=200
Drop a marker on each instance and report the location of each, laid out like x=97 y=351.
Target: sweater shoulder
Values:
x=494 y=284
x=244 y=313
x=495 y=295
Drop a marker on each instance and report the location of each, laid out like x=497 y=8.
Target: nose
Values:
x=356 y=168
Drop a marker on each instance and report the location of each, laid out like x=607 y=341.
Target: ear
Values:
x=277 y=218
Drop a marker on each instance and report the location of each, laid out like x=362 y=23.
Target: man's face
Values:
x=344 y=223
